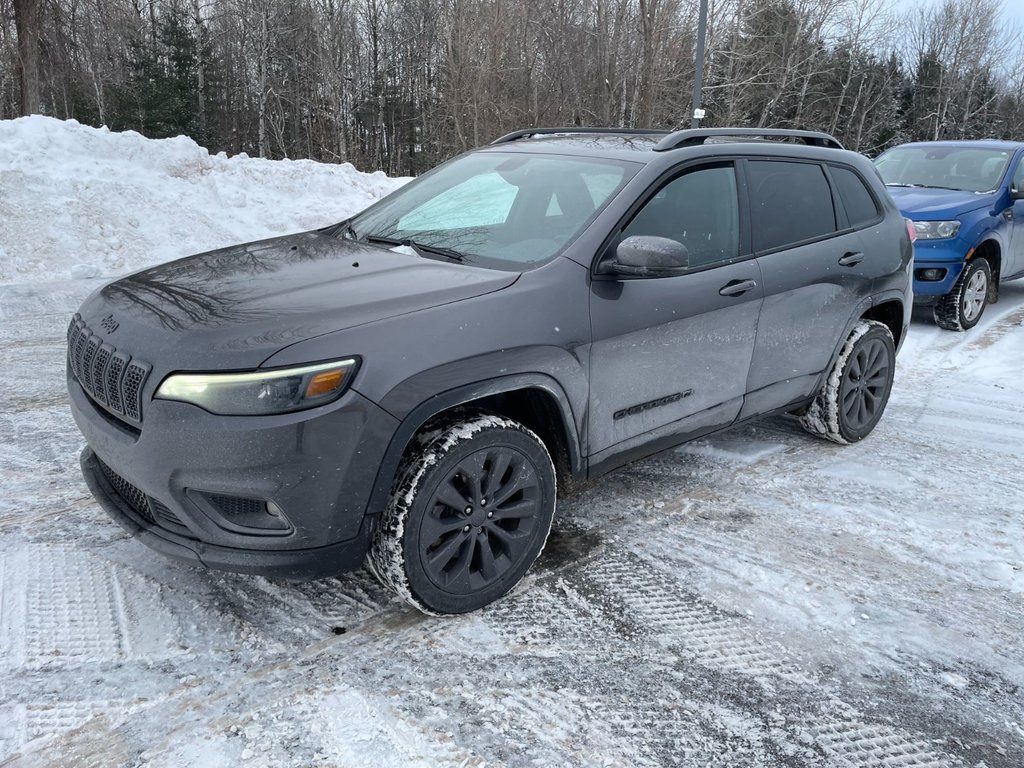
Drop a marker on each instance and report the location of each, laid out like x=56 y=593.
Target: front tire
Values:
x=468 y=516
x=856 y=391
x=962 y=308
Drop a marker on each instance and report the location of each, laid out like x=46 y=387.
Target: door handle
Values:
x=851 y=258
x=736 y=287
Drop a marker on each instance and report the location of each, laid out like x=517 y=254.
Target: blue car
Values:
x=966 y=201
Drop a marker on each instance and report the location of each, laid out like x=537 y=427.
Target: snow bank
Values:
x=80 y=202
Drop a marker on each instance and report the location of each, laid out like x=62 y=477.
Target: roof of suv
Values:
x=648 y=146
x=619 y=147
x=985 y=143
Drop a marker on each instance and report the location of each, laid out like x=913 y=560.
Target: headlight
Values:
x=936 y=230
x=261 y=392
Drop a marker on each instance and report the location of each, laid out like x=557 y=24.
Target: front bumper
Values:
x=284 y=563
x=944 y=255
x=317 y=466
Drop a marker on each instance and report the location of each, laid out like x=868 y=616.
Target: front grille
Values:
x=153 y=511
x=113 y=379
x=135 y=497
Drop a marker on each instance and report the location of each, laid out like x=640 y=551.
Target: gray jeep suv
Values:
x=410 y=387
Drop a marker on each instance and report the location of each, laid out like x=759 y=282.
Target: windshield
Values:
x=499 y=209
x=969 y=169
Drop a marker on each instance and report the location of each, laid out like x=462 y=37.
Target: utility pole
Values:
x=698 y=74
x=26 y=23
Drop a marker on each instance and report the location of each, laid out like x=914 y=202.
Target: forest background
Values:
x=399 y=85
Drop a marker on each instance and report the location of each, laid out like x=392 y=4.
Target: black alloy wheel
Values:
x=866 y=385
x=480 y=520
x=856 y=389
x=469 y=516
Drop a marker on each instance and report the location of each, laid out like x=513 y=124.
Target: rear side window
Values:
x=857 y=200
x=789 y=203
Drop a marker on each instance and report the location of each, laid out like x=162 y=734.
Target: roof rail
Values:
x=527 y=132
x=692 y=136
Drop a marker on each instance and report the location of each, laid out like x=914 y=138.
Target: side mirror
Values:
x=1016 y=194
x=650 y=256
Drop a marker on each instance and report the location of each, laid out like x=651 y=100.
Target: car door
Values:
x=817 y=269
x=1014 y=259
x=671 y=355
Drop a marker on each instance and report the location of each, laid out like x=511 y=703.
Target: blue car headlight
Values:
x=936 y=230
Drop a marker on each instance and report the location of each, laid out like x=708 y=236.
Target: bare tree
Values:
x=402 y=84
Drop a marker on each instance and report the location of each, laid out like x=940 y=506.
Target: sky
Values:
x=1012 y=9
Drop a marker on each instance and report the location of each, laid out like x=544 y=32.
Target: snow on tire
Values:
x=962 y=308
x=855 y=392
x=469 y=512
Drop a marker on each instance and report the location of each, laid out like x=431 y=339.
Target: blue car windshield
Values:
x=969 y=169
x=497 y=209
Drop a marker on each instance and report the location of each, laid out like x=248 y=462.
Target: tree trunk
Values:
x=200 y=71
x=262 y=76
x=26 y=22
x=645 y=83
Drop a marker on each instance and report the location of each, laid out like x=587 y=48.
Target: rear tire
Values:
x=856 y=391
x=962 y=308
x=468 y=516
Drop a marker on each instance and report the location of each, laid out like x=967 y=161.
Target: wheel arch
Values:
x=891 y=312
x=535 y=400
x=991 y=250
x=890 y=308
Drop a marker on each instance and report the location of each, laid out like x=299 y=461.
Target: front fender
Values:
x=421 y=388
x=990 y=226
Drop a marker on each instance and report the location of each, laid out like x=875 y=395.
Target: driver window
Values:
x=1018 y=176
x=698 y=209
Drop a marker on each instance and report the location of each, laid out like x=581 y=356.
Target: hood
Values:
x=236 y=306
x=930 y=204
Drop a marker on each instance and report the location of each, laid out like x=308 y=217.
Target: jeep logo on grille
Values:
x=109 y=324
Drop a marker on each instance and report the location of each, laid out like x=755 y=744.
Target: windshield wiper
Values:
x=420 y=248
x=927 y=186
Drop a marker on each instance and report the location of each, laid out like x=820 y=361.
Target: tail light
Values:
x=911 y=230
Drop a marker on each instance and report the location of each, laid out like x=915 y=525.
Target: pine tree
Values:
x=162 y=96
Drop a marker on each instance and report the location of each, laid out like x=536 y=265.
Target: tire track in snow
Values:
x=65 y=608
x=71 y=609
x=671 y=616
x=694 y=628
x=853 y=744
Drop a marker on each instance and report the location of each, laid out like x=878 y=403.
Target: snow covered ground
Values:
x=758 y=599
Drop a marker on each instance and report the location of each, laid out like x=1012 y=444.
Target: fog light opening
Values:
x=242 y=514
x=931 y=274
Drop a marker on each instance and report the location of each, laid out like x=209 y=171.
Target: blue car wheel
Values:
x=962 y=308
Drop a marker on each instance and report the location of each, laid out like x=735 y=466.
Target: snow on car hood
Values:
x=248 y=301
x=928 y=203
